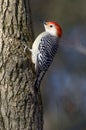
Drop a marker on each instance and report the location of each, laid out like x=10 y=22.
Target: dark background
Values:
x=64 y=86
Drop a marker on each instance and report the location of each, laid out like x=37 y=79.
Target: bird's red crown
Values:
x=59 y=29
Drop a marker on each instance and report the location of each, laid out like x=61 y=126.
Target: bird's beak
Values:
x=45 y=23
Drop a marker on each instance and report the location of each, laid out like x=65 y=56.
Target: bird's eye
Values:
x=51 y=26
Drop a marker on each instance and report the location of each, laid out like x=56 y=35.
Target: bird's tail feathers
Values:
x=38 y=80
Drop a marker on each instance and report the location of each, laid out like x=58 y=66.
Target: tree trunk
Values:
x=20 y=106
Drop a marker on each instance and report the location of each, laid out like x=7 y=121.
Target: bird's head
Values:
x=53 y=28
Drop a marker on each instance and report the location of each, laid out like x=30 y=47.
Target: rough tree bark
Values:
x=20 y=107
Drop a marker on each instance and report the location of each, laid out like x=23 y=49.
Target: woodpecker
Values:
x=44 y=49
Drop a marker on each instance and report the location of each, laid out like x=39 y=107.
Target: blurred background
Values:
x=64 y=85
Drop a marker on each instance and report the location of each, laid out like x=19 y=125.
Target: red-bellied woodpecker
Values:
x=44 y=49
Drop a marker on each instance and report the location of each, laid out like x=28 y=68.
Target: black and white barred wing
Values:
x=47 y=49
